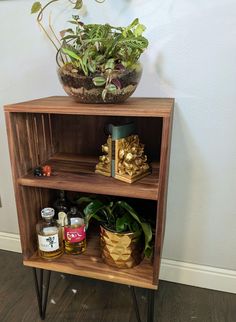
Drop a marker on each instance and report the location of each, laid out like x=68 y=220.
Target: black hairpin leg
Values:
x=150 y=311
x=135 y=303
x=150 y=308
x=41 y=290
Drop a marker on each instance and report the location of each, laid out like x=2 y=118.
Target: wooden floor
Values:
x=78 y=299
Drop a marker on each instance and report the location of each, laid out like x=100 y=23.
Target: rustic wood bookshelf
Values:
x=68 y=136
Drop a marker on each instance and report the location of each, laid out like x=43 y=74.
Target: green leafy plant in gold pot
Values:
x=97 y=63
x=125 y=236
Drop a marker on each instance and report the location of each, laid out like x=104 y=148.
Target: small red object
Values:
x=47 y=170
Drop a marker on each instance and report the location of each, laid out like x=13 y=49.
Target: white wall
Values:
x=191 y=57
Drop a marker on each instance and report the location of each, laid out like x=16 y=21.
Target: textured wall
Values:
x=192 y=58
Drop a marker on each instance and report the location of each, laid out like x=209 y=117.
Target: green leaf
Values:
x=69 y=37
x=148 y=237
x=78 y=4
x=36 y=7
x=134 y=23
x=86 y=56
x=147 y=230
x=65 y=31
x=111 y=88
x=139 y=30
x=99 y=81
x=122 y=224
x=126 y=30
x=71 y=53
x=104 y=94
x=110 y=64
x=127 y=223
x=92 y=66
x=92 y=209
x=83 y=200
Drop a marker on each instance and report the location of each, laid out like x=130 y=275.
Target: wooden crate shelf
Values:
x=68 y=136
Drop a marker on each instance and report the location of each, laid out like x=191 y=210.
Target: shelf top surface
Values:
x=150 y=107
x=90 y=264
x=76 y=173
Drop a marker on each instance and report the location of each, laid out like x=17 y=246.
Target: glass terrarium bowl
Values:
x=83 y=90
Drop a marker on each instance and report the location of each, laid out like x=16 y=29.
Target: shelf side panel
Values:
x=23 y=136
x=162 y=195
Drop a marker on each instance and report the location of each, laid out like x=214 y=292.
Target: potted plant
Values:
x=97 y=62
x=125 y=236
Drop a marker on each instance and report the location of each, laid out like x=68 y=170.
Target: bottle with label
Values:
x=61 y=204
x=50 y=244
x=75 y=235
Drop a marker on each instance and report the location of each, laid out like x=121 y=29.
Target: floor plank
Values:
x=72 y=298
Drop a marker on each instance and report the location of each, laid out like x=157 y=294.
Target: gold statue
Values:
x=129 y=163
x=104 y=164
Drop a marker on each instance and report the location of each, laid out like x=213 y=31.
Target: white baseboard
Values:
x=172 y=271
x=198 y=275
x=10 y=242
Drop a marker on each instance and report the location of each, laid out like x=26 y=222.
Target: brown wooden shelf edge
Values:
x=76 y=173
x=134 y=106
x=92 y=267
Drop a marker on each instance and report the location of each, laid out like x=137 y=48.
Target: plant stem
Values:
x=39 y=19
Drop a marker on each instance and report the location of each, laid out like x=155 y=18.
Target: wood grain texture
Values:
x=77 y=173
x=27 y=140
x=84 y=134
x=91 y=265
x=151 y=107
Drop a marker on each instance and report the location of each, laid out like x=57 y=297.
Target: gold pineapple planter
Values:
x=121 y=250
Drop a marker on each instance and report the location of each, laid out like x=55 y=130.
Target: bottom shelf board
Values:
x=90 y=264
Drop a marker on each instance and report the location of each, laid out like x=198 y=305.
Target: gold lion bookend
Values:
x=123 y=157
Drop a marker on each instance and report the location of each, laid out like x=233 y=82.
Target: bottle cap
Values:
x=73 y=210
x=47 y=213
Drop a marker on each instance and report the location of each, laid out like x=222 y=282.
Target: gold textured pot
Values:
x=122 y=250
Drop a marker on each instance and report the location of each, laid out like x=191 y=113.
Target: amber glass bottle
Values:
x=61 y=204
x=50 y=244
x=74 y=232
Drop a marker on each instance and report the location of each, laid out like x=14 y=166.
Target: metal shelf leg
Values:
x=135 y=302
x=41 y=292
x=150 y=311
x=150 y=307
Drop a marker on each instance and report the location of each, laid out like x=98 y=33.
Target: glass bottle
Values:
x=50 y=244
x=75 y=235
x=61 y=204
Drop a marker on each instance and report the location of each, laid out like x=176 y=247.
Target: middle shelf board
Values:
x=76 y=173
x=90 y=264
